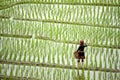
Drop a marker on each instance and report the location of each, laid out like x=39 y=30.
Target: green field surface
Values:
x=38 y=39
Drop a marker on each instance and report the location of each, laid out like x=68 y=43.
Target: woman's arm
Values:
x=85 y=45
x=78 y=49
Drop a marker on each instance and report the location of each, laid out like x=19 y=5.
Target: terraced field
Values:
x=38 y=38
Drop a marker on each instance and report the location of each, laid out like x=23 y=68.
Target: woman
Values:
x=79 y=54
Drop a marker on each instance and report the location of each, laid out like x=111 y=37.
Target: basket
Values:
x=76 y=55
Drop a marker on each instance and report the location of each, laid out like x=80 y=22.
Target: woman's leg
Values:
x=82 y=61
x=78 y=62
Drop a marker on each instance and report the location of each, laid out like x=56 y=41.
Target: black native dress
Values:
x=81 y=51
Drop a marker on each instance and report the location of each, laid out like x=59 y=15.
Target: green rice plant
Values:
x=94 y=75
x=96 y=64
x=105 y=75
x=5 y=70
x=5 y=55
x=17 y=71
x=87 y=60
x=110 y=64
x=11 y=71
x=99 y=75
x=89 y=74
x=105 y=61
x=100 y=60
x=91 y=57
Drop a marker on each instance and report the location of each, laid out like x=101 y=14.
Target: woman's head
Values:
x=81 y=42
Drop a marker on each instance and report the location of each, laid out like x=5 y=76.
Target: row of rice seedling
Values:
x=82 y=2
x=98 y=15
x=63 y=32
x=46 y=73
x=36 y=50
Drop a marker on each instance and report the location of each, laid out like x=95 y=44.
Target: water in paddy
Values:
x=53 y=28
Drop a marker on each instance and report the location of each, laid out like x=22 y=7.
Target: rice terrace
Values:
x=38 y=39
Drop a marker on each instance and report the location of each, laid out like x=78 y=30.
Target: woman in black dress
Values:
x=79 y=54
